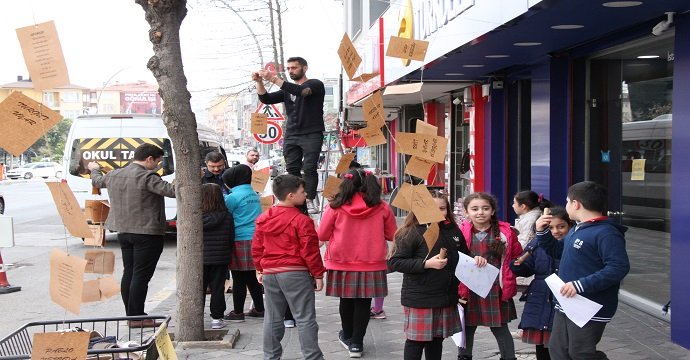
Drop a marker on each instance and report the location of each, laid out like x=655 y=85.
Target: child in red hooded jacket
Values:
x=357 y=225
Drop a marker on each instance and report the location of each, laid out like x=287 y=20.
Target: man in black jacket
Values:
x=304 y=129
x=213 y=172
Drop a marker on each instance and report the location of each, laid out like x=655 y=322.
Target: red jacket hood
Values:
x=280 y=216
x=358 y=208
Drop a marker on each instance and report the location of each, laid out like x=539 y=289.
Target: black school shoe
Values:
x=355 y=350
x=344 y=342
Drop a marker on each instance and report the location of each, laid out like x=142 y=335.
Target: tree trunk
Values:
x=280 y=37
x=165 y=18
x=273 y=38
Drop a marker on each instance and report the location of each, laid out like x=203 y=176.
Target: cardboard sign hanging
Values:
x=424 y=207
x=431 y=235
x=98 y=237
x=349 y=56
x=259 y=180
x=43 y=55
x=66 y=280
x=108 y=287
x=259 y=123
x=372 y=135
x=332 y=187
x=23 y=121
x=344 y=163
x=403 y=198
x=97 y=210
x=418 y=167
x=424 y=146
x=365 y=77
x=423 y=127
x=372 y=108
x=90 y=291
x=60 y=345
x=407 y=48
x=69 y=210
x=99 y=261
x=266 y=202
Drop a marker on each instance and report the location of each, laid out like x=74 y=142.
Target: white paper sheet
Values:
x=477 y=279
x=578 y=308
x=459 y=338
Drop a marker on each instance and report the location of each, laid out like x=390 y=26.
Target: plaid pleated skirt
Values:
x=242 y=259
x=490 y=311
x=356 y=284
x=536 y=337
x=425 y=324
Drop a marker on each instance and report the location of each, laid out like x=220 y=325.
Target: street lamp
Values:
x=105 y=84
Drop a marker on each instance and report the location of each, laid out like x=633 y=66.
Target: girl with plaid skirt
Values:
x=244 y=205
x=491 y=242
x=537 y=316
x=429 y=291
x=356 y=225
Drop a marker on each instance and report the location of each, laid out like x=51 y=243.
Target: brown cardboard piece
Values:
x=69 y=210
x=332 y=187
x=23 y=121
x=259 y=123
x=403 y=197
x=365 y=77
x=372 y=108
x=259 y=180
x=407 y=48
x=424 y=146
x=424 y=207
x=60 y=345
x=266 y=202
x=431 y=235
x=418 y=167
x=344 y=163
x=99 y=261
x=91 y=291
x=97 y=210
x=66 y=280
x=98 y=237
x=403 y=89
x=372 y=135
x=349 y=56
x=423 y=127
x=164 y=345
x=108 y=287
x=43 y=55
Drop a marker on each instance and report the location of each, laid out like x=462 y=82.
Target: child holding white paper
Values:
x=493 y=242
x=593 y=264
x=537 y=316
x=357 y=226
x=429 y=291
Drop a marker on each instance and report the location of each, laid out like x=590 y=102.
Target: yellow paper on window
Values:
x=637 y=173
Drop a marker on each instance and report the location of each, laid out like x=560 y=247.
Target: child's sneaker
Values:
x=233 y=316
x=289 y=323
x=254 y=313
x=355 y=350
x=343 y=341
x=377 y=314
x=217 y=324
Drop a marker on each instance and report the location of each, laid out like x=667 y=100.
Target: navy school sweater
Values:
x=594 y=258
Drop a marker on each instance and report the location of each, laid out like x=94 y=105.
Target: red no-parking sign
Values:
x=273 y=133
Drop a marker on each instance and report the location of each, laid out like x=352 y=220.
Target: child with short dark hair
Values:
x=288 y=262
x=593 y=264
x=219 y=239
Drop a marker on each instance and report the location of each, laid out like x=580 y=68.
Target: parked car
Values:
x=2 y=204
x=43 y=169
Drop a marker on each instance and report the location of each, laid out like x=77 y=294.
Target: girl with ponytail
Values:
x=356 y=225
x=490 y=241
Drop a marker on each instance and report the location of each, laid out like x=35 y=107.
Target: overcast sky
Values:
x=106 y=39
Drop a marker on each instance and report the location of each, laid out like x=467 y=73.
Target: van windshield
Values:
x=115 y=153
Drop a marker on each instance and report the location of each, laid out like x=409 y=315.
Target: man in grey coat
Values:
x=137 y=213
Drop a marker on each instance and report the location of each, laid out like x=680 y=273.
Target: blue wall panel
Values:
x=680 y=180
x=497 y=179
x=559 y=174
x=541 y=128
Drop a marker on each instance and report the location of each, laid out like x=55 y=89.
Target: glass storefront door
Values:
x=630 y=113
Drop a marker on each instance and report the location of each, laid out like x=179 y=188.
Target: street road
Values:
x=38 y=230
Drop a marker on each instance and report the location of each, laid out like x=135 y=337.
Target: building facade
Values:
x=543 y=94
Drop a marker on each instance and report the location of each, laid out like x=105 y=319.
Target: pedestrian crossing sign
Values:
x=271 y=111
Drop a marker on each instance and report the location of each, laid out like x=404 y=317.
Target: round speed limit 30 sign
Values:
x=273 y=133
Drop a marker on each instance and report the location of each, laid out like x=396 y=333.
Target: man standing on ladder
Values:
x=304 y=129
